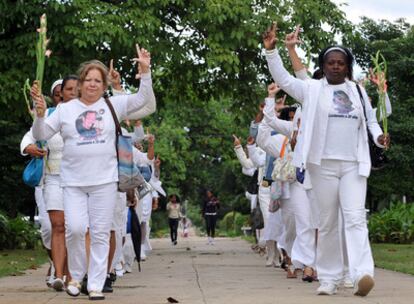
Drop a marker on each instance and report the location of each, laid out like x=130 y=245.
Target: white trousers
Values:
x=273 y=231
x=304 y=245
x=119 y=226
x=337 y=184
x=264 y=201
x=91 y=206
x=44 y=220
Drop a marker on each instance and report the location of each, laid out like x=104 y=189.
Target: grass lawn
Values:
x=395 y=257
x=14 y=262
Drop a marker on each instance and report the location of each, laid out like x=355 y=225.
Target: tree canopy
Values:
x=208 y=71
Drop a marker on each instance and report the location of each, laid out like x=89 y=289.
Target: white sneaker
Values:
x=326 y=289
x=348 y=283
x=58 y=284
x=96 y=295
x=212 y=241
x=73 y=288
x=363 y=285
x=127 y=268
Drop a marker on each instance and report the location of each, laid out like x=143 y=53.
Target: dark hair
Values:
x=318 y=74
x=177 y=198
x=67 y=78
x=349 y=59
x=284 y=114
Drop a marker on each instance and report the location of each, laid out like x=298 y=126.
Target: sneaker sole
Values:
x=325 y=293
x=58 y=285
x=365 y=284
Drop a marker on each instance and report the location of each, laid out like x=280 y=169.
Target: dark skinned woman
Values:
x=333 y=147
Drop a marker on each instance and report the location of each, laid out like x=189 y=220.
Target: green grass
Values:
x=15 y=262
x=395 y=257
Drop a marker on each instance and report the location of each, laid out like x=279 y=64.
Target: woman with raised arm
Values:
x=89 y=170
x=334 y=149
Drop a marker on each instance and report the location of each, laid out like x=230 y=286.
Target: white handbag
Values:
x=283 y=169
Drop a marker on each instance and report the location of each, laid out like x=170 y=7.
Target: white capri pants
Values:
x=337 y=184
x=53 y=192
x=91 y=206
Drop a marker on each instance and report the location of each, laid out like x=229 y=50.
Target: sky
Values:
x=378 y=9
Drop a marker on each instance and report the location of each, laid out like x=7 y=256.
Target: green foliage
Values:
x=208 y=74
x=232 y=223
x=393 y=225
x=17 y=233
x=396 y=43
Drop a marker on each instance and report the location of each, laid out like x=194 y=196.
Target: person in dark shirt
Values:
x=210 y=207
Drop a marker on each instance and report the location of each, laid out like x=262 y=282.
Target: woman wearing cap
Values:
x=334 y=149
x=89 y=166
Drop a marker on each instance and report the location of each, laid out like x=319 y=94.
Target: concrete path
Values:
x=196 y=273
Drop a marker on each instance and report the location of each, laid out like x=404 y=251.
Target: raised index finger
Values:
x=138 y=50
x=297 y=31
x=111 y=65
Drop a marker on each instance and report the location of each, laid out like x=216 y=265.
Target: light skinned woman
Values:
x=174 y=215
x=334 y=149
x=89 y=166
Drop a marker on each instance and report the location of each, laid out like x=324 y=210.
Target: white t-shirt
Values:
x=88 y=131
x=343 y=125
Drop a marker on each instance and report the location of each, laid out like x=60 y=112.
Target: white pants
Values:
x=337 y=184
x=91 y=206
x=44 y=220
x=264 y=201
x=273 y=231
x=304 y=245
x=119 y=226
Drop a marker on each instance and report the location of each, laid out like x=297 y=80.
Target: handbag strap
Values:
x=362 y=101
x=118 y=130
x=282 y=151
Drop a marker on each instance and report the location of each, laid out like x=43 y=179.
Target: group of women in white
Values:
x=83 y=216
x=314 y=223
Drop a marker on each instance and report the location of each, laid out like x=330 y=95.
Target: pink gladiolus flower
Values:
x=48 y=53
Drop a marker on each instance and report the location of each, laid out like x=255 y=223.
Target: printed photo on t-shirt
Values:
x=342 y=105
x=90 y=126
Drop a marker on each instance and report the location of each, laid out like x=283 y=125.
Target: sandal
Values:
x=291 y=273
x=307 y=274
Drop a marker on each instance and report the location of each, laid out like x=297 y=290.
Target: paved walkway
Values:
x=196 y=273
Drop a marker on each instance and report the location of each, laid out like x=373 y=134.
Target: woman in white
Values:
x=89 y=166
x=334 y=149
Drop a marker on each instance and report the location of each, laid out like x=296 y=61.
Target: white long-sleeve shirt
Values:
x=312 y=93
x=88 y=131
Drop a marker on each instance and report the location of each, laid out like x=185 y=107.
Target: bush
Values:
x=393 y=225
x=232 y=222
x=17 y=233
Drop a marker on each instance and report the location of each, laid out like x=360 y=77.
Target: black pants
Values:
x=211 y=224
x=173 y=228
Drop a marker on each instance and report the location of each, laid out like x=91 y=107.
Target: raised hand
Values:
x=39 y=100
x=292 y=39
x=269 y=37
x=144 y=61
x=236 y=141
x=114 y=76
x=157 y=162
x=272 y=90
x=250 y=140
